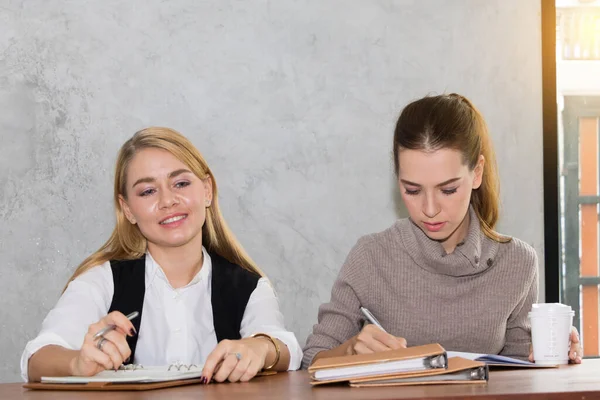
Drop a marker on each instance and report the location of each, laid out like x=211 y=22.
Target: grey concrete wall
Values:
x=291 y=102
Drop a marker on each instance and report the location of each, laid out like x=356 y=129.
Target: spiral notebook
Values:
x=130 y=377
x=134 y=374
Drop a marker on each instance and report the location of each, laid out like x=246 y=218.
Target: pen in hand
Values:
x=371 y=318
x=109 y=328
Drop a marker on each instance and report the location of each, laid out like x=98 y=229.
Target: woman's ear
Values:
x=479 y=169
x=126 y=210
x=208 y=191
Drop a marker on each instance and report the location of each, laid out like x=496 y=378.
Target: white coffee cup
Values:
x=551 y=332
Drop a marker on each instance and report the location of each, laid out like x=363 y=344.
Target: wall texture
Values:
x=292 y=103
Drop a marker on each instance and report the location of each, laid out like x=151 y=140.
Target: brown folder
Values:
x=110 y=385
x=428 y=352
x=460 y=370
x=137 y=386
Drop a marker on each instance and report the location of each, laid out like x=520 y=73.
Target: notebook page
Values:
x=359 y=371
x=146 y=374
x=488 y=358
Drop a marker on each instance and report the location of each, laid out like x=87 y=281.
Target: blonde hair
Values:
x=127 y=242
x=452 y=121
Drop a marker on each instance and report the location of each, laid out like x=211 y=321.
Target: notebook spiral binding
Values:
x=175 y=366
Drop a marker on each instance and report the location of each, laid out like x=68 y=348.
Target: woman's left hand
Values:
x=236 y=360
x=575 y=352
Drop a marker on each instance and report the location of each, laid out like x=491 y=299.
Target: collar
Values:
x=155 y=271
x=473 y=255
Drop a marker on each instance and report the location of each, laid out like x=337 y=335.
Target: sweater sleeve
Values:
x=518 y=327
x=340 y=319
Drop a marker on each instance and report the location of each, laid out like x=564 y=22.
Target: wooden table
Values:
x=565 y=383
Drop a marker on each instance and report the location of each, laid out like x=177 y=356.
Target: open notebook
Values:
x=345 y=368
x=495 y=360
x=130 y=377
x=134 y=374
x=460 y=370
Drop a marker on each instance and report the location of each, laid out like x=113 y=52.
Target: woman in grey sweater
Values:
x=443 y=275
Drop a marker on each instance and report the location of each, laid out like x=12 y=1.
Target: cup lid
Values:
x=554 y=308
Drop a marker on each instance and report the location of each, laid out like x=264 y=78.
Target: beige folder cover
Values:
x=408 y=353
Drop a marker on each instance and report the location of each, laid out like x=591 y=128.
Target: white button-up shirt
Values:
x=177 y=324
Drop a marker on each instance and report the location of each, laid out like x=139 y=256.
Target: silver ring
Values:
x=237 y=355
x=101 y=343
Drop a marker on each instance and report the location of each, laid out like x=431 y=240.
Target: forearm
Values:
x=50 y=360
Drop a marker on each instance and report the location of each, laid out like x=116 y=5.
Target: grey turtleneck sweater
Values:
x=474 y=299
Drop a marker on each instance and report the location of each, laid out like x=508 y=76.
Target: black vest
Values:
x=231 y=287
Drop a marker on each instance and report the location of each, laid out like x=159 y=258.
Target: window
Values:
x=572 y=240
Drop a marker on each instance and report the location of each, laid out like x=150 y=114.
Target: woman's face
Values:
x=436 y=188
x=165 y=199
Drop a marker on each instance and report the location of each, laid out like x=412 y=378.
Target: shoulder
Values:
x=96 y=281
x=371 y=249
x=383 y=239
x=519 y=256
x=223 y=268
x=96 y=275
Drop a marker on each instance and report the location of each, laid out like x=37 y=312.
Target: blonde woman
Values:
x=171 y=258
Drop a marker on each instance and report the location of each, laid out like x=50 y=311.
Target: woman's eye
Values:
x=147 y=192
x=412 y=192
x=182 y=184
x=449 y=191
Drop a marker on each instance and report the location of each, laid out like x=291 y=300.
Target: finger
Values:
x=93 y=354
x=240 y=369
x=531 y=357
x=390 y=341
x=111 y=350
x=120 y=342
x=251 y=371
x=373 y=344
x=361 y=348
x=229 y=363
x=214 y=358
x=117 y=318
x=95 y=328
x=574 y=335
x=576 y=351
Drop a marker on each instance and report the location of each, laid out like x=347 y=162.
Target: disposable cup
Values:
x=550 y=332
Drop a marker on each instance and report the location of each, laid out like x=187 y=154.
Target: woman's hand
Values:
x=112 y=353
x=236 y=360
x=575 y=352
x=372 y=339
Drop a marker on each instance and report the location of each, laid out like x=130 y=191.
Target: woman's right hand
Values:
x=372 y=339
x=115 y=351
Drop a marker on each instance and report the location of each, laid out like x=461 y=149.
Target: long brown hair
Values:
x=127 y=242
x=452 y=121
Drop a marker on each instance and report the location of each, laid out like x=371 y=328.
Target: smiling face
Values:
x=436 y=188
x=165 y=199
